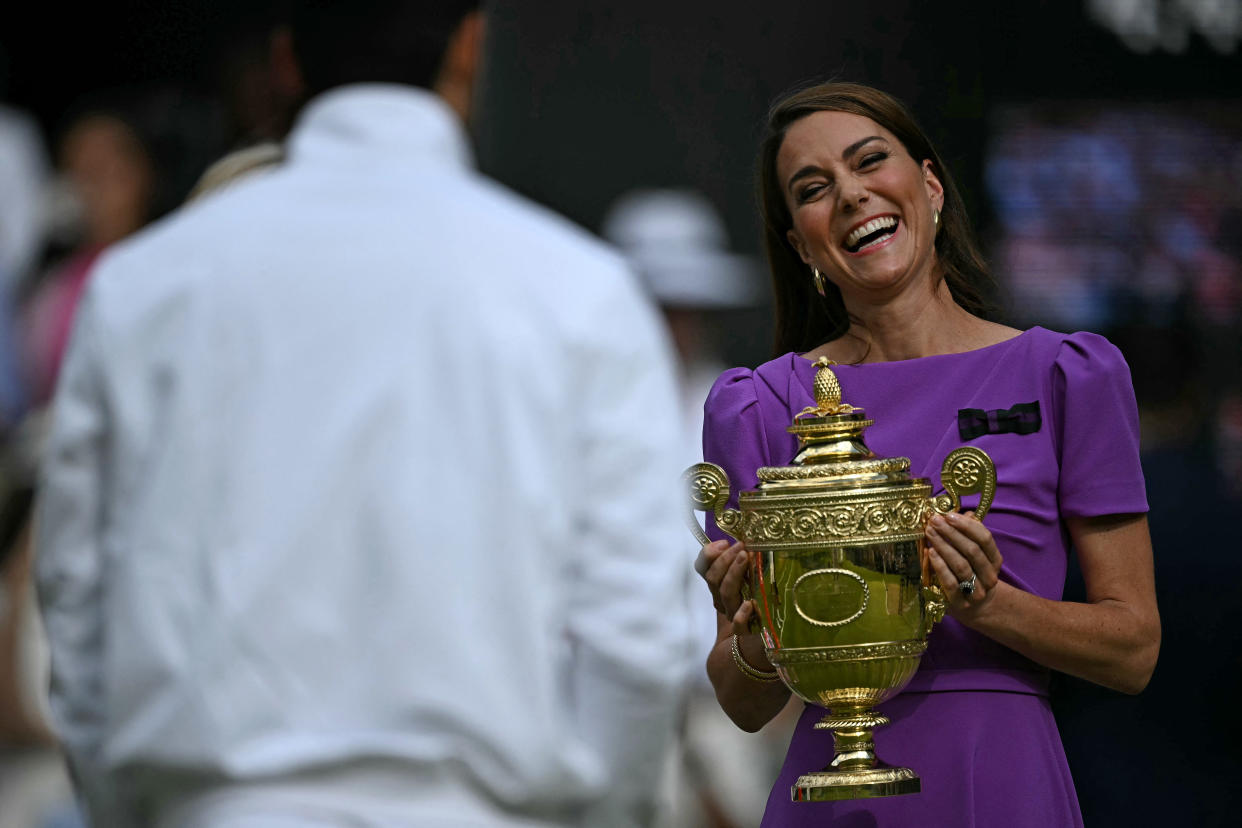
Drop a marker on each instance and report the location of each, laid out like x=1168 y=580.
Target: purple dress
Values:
x=974 y=722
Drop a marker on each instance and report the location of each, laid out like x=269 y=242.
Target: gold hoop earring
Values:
x=936 y=220
x=818 y=279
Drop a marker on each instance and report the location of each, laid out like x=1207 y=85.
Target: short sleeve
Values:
x=733 y=435
x=1098 y=430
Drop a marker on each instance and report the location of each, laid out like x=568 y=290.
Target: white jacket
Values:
x=361 y=491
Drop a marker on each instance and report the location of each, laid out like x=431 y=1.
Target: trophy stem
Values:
x=855 y=771
x=855 y=746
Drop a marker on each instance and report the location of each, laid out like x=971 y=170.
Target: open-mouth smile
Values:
x=871 y=234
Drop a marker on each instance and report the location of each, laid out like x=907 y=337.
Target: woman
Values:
x=127 y=159
x=874 y=268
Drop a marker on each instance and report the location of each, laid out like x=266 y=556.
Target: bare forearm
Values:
x=749 y=703
x=1112 y=639
x=1109 y=642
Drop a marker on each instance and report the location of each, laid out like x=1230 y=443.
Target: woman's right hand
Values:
x=723 y=566
x=749 y=703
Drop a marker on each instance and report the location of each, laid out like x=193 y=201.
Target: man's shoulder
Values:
x=160 y=255
x=539 y=226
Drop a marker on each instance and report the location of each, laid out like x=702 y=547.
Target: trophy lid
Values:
x=832 y=452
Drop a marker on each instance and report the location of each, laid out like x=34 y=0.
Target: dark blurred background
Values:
x=1098 y=144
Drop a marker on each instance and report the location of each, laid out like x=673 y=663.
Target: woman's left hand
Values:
x=964 y=557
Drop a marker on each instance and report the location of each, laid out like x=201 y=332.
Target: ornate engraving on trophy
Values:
x=843 y=520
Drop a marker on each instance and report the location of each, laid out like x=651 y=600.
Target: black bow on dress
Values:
x=1022 y=418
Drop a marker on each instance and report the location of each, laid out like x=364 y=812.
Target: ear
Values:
x=462 y=64
x=799 y=245
x=935 y=190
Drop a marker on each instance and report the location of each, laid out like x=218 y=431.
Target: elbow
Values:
x=1145 y=665
x=749 y=723
x=748 y=705
x=748 y=727
x=1141 y=663
x=751 y=708
x=1135 y=682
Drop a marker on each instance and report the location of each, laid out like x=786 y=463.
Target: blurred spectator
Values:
x=113 y=178
x=125 y=160
x=676 y=241
x=23 y=175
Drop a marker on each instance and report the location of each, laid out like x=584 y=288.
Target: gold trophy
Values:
x=844 y=595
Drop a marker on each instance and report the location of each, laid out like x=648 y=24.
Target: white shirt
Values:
x=365 y=469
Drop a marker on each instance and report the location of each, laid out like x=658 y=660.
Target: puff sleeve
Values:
x=733 y=435
x=1097 y=429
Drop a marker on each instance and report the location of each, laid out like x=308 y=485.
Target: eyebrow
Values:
x=811 y=169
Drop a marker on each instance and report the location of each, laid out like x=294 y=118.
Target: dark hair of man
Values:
x=804 y=319
x=339 y=42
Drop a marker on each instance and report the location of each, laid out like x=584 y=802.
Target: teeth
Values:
x=881 y=223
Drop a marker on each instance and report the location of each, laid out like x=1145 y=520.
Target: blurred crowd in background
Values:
x=1120 y=213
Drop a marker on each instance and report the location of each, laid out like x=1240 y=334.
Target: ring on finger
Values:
x=967 y=588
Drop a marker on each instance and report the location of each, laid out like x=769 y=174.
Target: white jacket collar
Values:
x=390 y=120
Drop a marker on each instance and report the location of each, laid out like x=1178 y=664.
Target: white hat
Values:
x=677 y=242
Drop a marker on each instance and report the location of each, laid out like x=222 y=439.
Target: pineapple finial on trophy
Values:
x=827 y=392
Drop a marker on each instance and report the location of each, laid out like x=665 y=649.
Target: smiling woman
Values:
x=861 y=215
x=874 y=267
x=885 y=140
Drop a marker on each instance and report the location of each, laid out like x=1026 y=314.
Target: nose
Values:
x=852 y=196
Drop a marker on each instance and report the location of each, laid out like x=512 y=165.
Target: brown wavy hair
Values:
x=804 y=319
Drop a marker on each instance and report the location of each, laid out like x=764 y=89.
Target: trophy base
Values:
x=862 y=783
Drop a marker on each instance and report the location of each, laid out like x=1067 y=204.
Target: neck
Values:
x=913 y=324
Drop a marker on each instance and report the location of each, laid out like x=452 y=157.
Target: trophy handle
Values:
x=967 y=470
x=708 y=487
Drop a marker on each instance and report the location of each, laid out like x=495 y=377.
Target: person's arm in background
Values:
x=629 y=619
x=69 y=561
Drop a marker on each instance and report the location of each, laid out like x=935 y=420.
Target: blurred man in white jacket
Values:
x=358 y=506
